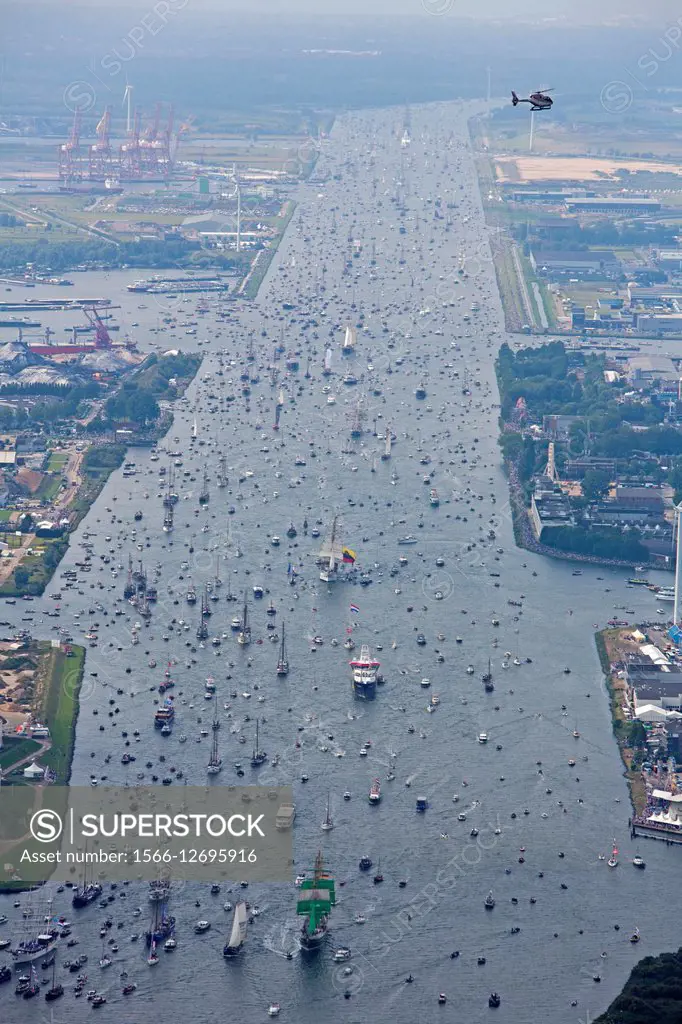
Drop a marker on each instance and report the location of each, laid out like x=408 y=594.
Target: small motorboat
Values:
x=638 y=862
x=489 y=901
x=442 y=998
x=494 y=1000
x=273 y=1010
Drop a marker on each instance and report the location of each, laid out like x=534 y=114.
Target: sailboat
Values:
x=204 y=495
x=348 y=347
x=56 y=990
x=215 y=763
x=282 y=661
x=238 y=931
x=202 y=628
x=194 y=429
x=222 y=472
x=33 y=988
x=613 y=859
x=331 y=555
x=488 y=679
x=168 y=520
x=259 y=756
x=244 y=635
x=386 y=454
x=327 y=824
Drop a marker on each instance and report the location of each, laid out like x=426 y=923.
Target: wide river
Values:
x=379 y=244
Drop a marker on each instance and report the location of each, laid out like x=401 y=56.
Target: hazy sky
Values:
x=592 y=11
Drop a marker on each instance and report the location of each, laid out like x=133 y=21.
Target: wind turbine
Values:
x=128 y=95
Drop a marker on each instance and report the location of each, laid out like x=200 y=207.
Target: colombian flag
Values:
x=348 y=555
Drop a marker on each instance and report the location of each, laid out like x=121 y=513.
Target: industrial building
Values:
x=611 y=204
x=595 y=261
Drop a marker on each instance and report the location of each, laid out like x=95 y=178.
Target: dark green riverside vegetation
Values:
x=652 y=994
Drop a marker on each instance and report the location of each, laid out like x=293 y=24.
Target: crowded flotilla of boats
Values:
x=214 y=713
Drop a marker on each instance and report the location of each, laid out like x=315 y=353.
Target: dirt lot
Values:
x=547 y=168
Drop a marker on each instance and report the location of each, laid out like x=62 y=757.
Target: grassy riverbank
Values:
x=256 y=275
x=630 y=736
x=63 y=679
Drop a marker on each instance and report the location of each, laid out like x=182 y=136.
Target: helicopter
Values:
x=539 y=100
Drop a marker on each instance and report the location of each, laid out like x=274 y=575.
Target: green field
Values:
x=61 y=709
x=49 y=488
x=57 y=462
x=14 y=749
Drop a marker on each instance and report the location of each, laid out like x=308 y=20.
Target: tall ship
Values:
x=215 y=761
x=317 y=897
x=238 y=931
x=162 y=925
x=487 y=677
x=365 y=669
x=86 y=892
x=244 y=634
x=331 y=555
x=38 y=939
x=282 y=660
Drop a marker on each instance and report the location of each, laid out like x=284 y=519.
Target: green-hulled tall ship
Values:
x=318 y=896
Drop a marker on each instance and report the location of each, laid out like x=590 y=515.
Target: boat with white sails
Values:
x=238 y=931
x=331 y=555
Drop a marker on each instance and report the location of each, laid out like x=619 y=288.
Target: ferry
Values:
x=365 y=669
x=165 y=714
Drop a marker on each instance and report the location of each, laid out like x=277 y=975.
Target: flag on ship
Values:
x=354 y=608
x=348 y=555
